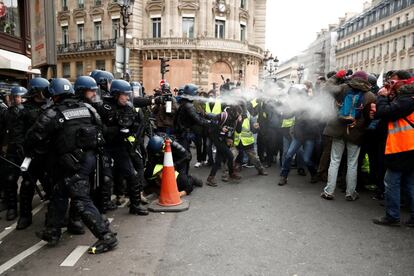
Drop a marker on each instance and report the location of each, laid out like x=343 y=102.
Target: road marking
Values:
x=12 y=262
x=12 y=227
x=74 y=257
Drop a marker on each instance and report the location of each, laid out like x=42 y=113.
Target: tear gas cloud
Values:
x=282 y=97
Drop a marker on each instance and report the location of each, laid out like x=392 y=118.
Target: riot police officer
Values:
x=186 y=117
x=15 y=153
x=104 y=80
x=3 y=112
x=33 y=107
x=74 y=128
x=122 y=124
x=86 y=89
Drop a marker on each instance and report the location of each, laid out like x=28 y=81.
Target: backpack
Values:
x=351 y=107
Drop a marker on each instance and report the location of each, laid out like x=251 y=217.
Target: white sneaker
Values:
x=197 y=165
x=205 y=163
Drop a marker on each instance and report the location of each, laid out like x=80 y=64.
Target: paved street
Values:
x=251 y=228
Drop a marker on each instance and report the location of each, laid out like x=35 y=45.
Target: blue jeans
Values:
x=393 y=181
x=338 y=147
x=294 y=147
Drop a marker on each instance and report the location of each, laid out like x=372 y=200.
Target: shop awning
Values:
x=18 y=62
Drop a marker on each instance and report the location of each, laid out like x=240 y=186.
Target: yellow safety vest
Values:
x=216 y=107
x=254 y=102
x=158 y=170
x=246 y=135
x=288 y=122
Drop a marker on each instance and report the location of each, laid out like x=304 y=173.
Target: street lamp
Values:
x=300 y=70
x=271 y=63
x=126 y=11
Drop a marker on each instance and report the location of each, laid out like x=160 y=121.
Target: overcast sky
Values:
x=292 y=24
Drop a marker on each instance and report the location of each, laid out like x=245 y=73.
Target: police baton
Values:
x=38 y=191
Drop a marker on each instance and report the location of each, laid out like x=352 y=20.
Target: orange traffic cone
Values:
x=169 y=200
x=169 y=195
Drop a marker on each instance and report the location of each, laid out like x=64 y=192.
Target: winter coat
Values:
x=336 y=128
x=392 y=110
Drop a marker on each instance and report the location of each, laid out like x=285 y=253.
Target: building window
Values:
x=98 y=2
x=395 y=45
x=188 y=27
x=398 y=21
x=403 y=42
x=64 y=5
x=412 y=40
x=116 y=28
x=242 y=32
x=156 y=27
x=66 y=69
x=81 y=33
x=98 y=31
x=65 y=36
x=10 y=20
x=220 y=28
x=100 y=64
x=81 y=4
x=380 y=50
x=243 y=4
x=388 y=48
x=79 y=68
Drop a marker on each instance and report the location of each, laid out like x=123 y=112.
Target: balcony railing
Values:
x=212 y=44
x=375 y=36
x=86 y=46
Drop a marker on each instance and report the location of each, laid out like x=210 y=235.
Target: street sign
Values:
x=119 y=58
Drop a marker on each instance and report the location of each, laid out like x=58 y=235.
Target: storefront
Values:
x=15 y=48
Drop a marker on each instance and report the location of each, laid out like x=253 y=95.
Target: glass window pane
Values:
x=79 y=68
x=100 y=64
x=10 y=18
x=66 y=69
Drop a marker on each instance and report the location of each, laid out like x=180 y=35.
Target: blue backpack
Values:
x=351 y=107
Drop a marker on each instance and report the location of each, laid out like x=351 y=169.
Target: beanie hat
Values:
x=341 y=74
x=360 y=75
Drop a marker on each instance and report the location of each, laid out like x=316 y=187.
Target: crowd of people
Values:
x=100 y=139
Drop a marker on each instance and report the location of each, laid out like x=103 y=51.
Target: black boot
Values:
x=26 y=197
x=24 y=222
x=11 y=214
x=134 y=191
x=107 y=243
x=51 y=235
x=11 y=197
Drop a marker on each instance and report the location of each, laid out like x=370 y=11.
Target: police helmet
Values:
x=37 y=85
x=190 y=89
x=137 y=89
x=60 y=86
x=120 y=86
x=84 y=83
x=18 y=91
x=155 y=144
x=372 y=79
x=102 y=77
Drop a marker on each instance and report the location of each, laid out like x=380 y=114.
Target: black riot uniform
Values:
x=3 y=112
x=15 y=139
x=122 y=124
x=187 y=117
x=33 y=107
x=74 y=129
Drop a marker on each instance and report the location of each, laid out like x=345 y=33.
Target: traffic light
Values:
x=164 y=66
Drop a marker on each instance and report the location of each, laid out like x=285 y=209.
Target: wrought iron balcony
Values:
x=212 y=44
x=87 y=46
x=393 y=29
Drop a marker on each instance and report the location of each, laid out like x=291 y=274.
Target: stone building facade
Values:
x=382 y=37
x=204 y=39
